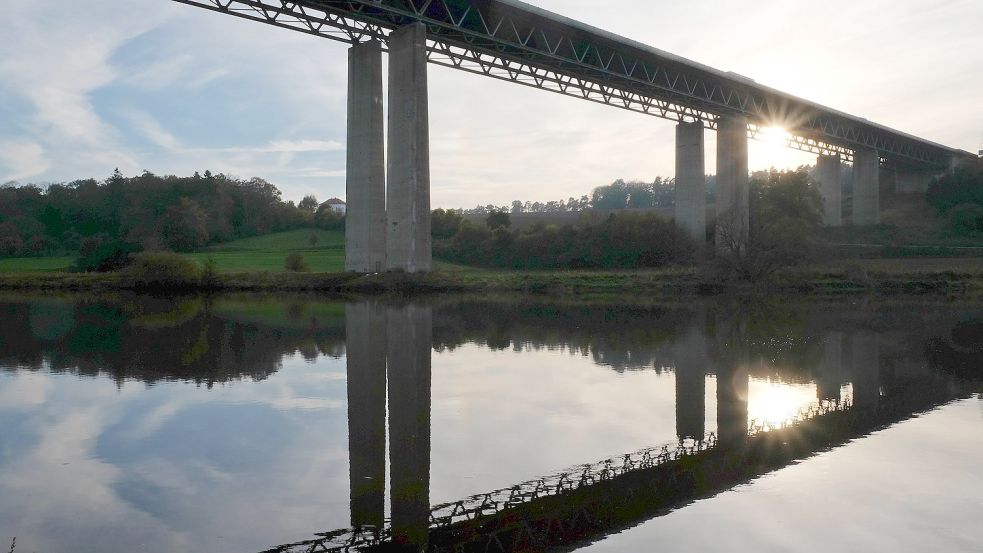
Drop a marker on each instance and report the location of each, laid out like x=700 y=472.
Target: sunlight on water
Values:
x=773 y=403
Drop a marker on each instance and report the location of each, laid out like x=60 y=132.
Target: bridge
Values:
x=388 y=184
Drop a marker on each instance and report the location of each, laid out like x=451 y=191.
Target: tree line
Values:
x=959 y=197
x=783 y=230
x=620 y=194
x=148 y=211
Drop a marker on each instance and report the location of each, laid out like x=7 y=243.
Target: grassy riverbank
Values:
x=924 y=276
x=257 y=264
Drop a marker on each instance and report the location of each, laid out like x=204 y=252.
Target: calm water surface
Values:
x=235 y=424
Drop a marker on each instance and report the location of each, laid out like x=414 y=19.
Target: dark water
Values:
x=235 y=424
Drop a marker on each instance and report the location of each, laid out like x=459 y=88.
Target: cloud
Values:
x=305 y=146
x=21 y=159
x=282 y=147
x=275 y=99
x=151 y=129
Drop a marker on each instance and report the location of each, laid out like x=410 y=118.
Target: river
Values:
x=239 y=423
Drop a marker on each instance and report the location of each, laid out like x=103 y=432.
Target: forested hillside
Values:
x=148 y=212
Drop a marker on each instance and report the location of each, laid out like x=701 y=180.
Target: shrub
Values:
x=964 y=185
x=966 y=218
x=209 y=274
x=295 y=263
x=785 y=217
x=106 y=256
x=622 y=241
x=163 y=269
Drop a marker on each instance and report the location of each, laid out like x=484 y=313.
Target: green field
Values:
x=269 y=253
x=36 y=264
x=249 y=255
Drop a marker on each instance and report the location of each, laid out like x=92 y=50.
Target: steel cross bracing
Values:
x=471 y=508
x=508 y=40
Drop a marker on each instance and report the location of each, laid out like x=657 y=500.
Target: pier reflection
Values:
x=593 y=499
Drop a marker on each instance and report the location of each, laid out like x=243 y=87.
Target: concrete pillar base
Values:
x=866 y=188
x=408 y=243
x=733 y=186
x=829 y=175
x=365 y=219
x=691 y=203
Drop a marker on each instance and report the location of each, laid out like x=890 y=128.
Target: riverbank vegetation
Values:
x=785 y=247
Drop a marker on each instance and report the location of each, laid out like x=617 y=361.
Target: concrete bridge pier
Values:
x=409 y=345
x=830 y=176
x=691 y=203
x=733 y=186
x=866 y=188
x=365 y=220
x=408 y=243
x=365 y=330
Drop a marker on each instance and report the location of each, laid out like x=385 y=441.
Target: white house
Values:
x=337 y=205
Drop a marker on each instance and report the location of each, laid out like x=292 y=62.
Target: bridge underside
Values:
x=516 y=42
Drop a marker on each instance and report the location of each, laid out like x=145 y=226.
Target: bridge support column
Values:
x=365 y=220
x=831 y=187
x=408 y=240
x=365 y=330
x=691 y=203
x=410 y=341
x=733 y=186
x=866 y=188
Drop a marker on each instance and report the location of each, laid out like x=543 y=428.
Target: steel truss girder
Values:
x=494 y=39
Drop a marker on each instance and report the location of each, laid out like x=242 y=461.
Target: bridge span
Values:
x=389 y=183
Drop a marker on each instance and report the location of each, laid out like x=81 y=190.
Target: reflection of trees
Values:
x=621 y=336
x=959 y=353
x=777 y=338
x=155 y=339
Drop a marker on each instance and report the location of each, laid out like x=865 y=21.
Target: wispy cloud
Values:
x=21 y=159
x=152 y=130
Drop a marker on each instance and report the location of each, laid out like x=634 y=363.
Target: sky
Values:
x=86 y=87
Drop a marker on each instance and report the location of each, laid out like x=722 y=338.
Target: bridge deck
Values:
x=514 y=41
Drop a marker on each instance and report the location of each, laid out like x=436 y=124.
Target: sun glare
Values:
x=772 y=150
x=775 y=136
x=771 y=403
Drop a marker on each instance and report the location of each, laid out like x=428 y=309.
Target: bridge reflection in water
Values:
x=393 y=344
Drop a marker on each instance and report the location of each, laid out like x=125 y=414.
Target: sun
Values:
x=775 y=137
x=772 y=150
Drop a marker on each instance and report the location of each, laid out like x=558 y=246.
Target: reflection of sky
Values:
x=85 y=466
x=175 y=467
x=889 y=491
